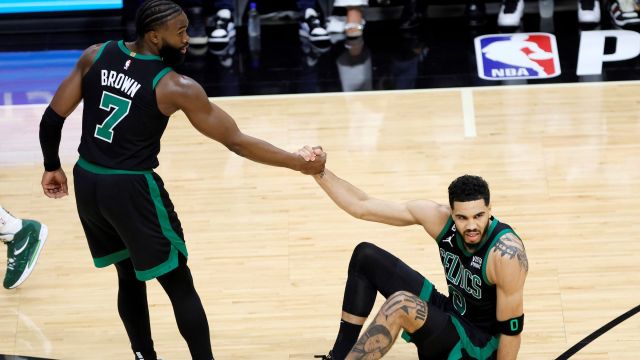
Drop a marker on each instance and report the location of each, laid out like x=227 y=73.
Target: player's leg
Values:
x=402 y=310
x=152 y=231
x=371 y=270
x=188 y=310
x=406 y=311
x=133 y=309
x=108 y=248
x=24 y=239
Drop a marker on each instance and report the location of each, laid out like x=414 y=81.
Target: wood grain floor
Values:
x=269 y=251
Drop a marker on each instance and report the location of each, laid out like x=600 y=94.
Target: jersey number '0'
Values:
x=121 y=106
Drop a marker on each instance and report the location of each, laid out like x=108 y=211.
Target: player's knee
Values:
x=362 y=254
x=406 y=308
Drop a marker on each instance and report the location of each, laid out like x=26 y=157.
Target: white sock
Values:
x=8 y=223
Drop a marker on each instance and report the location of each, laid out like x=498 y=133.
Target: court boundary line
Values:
x=468 y=113
x=596 y=334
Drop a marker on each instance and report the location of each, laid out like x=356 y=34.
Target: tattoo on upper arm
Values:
x=509 y=245
x=375 y=342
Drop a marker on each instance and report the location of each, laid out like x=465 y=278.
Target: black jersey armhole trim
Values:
x=100 y=51
x=160 y=75
x=446 y=228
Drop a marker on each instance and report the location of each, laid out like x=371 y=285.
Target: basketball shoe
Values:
x=624 y=12
x=224 y=29
x=588 y=11
x=23 y=249
x=329 y=356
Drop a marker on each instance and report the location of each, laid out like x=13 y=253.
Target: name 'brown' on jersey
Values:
x=121 y=122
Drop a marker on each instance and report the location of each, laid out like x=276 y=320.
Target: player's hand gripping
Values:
x=315 y=159
x=54 y=184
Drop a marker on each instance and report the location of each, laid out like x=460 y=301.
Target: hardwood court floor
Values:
x=269 y=251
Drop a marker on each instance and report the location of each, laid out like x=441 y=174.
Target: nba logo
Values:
x=517 y=56
x=126 y=64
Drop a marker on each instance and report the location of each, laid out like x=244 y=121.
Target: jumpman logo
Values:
x=449 y=240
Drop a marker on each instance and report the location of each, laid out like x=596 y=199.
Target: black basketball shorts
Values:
x=445 y=335
x=128 y=214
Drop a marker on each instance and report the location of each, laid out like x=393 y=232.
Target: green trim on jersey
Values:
x=425 y=294
x=492 y=226
x=100 y=170
x=465 y=343
x=161 y=74
x=446 y=228
x=135 y=55
x=485 y=261
x=100 y=51
x=111 y=259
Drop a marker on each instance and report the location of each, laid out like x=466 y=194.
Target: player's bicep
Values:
x=387 y=212
x=69 y=93
x=401 y=214
x=206 y=117
x=510 y=302
x=510 y=268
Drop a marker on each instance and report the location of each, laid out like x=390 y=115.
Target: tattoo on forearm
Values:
x=374 y=343
x=509 y=245
x=407 y=304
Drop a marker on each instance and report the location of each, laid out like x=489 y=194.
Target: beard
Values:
x=171 y=56
x=476 y=245
x=481 y=233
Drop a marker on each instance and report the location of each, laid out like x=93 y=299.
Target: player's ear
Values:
x=153 y=36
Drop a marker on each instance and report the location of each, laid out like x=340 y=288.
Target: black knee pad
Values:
x=362 y=256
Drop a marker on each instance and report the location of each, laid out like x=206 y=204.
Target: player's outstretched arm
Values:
x=509 y=267
x=362 y=206
x=176 y=92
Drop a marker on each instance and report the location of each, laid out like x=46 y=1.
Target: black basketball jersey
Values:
x=121 y=122
x=470 y=292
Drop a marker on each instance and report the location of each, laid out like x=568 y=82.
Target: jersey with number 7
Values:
x=122 y=124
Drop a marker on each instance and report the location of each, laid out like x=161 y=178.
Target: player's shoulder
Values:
x=179 y=84
x=509 y=253
x=430 y=214
x=88 y=55
x=93 y=50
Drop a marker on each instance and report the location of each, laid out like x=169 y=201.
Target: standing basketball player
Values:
x=129 y=92
x=485 y=266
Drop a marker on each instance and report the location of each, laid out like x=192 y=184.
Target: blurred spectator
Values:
x=413 y=13
x=475 y=12
x=354 y=24
x=354 y=66
x=311 y=24
x=589 y=11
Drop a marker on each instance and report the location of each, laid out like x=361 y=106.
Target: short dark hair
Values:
x=153 y=13
x=469 y=188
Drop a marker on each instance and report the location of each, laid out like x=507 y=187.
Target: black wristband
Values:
x=50 y=135
x=512 y=326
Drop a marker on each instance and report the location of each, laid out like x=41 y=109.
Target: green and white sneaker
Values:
x=23 y=252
